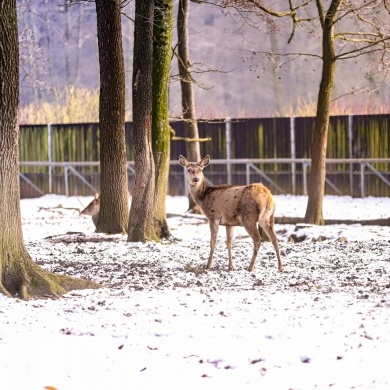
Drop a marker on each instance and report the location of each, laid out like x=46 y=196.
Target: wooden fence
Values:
x=357 y=136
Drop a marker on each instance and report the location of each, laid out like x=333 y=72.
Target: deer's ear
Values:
x=96 y=195
x=183 y=161
x=205 y=161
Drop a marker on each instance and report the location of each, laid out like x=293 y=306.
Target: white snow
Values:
x=161 y=321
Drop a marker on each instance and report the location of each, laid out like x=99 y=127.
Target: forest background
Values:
x=59 y=64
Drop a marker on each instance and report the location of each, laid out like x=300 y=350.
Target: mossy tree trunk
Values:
x=19 y=275
x=114 y=209
x=319 y=140
x=161 y=131
x=142 y=212
x=187 y=91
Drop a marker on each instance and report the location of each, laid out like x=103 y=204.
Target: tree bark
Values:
x=114 y=209
x=19 y=275
x=142 y=212
x=319 y=140
x=161 y=131
x=187 y=91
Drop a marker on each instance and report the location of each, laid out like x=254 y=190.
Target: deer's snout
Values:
x=195 y=180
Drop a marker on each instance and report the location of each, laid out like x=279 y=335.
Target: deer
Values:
x=251 y=206
x=93 y=209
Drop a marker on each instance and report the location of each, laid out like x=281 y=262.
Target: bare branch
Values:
x=359 y=51
x=187 y=139
x=293 y=54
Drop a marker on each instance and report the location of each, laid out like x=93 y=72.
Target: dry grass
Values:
x=81 y=105
x=70 y=105
x=308 y=107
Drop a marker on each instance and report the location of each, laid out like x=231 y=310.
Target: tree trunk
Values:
x=114 y=209
x=276 y=78
x=161 y=131
x=141 y=221
x=19 y=275
x=80 y=20
x=319 y=140
x=49 y=34
x=187 y=91
x=69 y=80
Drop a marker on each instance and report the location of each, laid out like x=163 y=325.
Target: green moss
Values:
x=161 y=131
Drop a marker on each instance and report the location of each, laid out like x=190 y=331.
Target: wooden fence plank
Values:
x=251 y=138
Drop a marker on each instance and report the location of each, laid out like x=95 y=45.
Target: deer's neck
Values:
x=199 y=192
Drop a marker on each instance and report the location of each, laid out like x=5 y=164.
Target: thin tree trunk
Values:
x=276 y=79
x=32 y=66
x=49 y=34
x=161 y=131
x=187 y=91
x=114 y=215
x=316 y=188
x=141 y=221
x=19 y=275
x=67 y=36
x=80 y=20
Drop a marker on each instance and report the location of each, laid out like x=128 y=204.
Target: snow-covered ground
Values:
x=161 y=321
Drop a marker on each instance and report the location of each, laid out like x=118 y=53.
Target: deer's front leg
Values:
x=214 y=225
x=229 y=241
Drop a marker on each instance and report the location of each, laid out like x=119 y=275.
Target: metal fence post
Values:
x=350 y=151
x=292 y=148
x=362 y=184
x=50 y=156
x=304 y=169
x=228 y=128
x=248 y=173
x=66 y=169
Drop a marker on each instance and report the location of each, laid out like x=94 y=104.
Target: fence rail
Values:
x=275 y=140
x=230 y=168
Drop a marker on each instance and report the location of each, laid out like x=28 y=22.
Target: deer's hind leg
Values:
x=229 y=241
x=268 y=227
x=214 y=226
x=256 y=237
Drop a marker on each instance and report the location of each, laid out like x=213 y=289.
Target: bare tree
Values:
x=142 y=212
x=187 y=91
x=161 y=130
x=30 y=54
x=152 y=132
x=19 y=275
x=113 y=217
x=370 y=36
x=319 y=141
x=275 y=71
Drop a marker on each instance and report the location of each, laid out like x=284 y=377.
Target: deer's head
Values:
x=194 y=169
x=94 y=207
